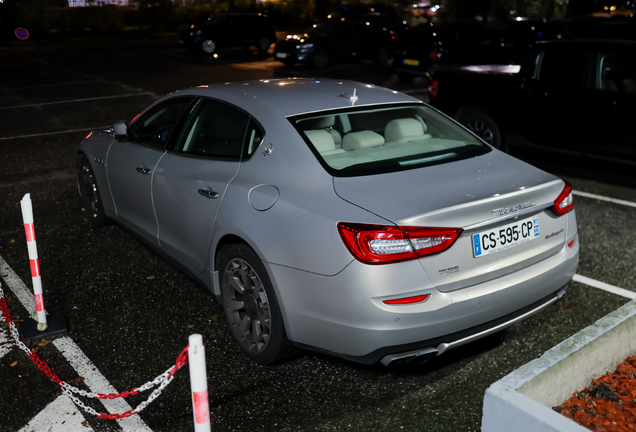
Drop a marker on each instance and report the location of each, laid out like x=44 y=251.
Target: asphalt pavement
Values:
x=130 y=312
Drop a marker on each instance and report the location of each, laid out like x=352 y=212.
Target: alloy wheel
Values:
x=482 y=130
x=247 y=306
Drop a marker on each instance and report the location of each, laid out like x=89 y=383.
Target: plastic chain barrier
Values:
x=161 y=380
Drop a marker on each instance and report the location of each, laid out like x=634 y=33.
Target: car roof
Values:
x=591 y=43
x=293 y=96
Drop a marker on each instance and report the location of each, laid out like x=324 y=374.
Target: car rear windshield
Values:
x=379 y=139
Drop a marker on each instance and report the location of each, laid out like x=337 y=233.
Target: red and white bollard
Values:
x=27 y=218
x=44 y=326
x=199 y=383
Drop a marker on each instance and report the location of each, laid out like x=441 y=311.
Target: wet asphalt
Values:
x=131 y=312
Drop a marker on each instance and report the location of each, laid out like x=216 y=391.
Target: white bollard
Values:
x=27 y=217
x=199 y=383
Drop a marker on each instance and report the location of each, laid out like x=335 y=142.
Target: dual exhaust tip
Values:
x=410 y=358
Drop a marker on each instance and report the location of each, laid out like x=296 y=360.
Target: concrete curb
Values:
x=522 y=401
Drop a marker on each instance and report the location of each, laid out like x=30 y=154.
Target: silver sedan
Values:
x=335 y=216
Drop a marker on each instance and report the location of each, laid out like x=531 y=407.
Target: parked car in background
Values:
x=452 y=43
x=394 y=26
x=335 y=216
x=428 y=46
x=572 y=96
x=336 y=42
x=229 y=30
x=457 y=42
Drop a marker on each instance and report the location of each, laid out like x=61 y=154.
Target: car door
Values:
x=364 y=41
x=340 y=43
x=610 y=103
x=191 y=179
x=553 y=113
x=131 y=164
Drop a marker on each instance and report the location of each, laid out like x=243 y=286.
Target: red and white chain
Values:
x=161 y=381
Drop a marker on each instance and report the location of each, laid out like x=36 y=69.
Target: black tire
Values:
x=406 y=78
x=263 y=45
x=482 y=125
x=251 y=307
x=320 y=60
x=89 y=192
x=208 y=46
x=383 y=57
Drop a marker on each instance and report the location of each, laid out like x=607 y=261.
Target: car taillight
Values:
x=565 y=201
x=432 y=89
x=435 y=54
x=383 y=244
x=407 y=300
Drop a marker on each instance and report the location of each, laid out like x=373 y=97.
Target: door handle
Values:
x=208 y=193
x=144 y=171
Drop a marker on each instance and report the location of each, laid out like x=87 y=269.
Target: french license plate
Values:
x=506 y=237
x=411 y=62
x=281 y=55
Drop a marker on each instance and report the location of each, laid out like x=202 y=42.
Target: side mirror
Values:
x=121 y=130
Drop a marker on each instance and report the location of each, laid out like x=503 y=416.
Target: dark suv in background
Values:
x=336 y=41
x=452 y=43
x=229 y=30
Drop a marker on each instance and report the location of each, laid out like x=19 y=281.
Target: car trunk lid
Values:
x=481 y=195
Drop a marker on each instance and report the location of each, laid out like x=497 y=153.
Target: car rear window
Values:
x=378 y=139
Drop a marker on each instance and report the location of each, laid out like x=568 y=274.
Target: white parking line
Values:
x=604 y=286
x=51 y=85
x=604 y=198
x=79 y=100
x=95 y=381
x=59 y=416
x=54 y=133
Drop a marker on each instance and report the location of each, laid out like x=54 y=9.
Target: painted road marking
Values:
x=55 y=133
x=604 y=198
x=79 y=100
x=51 y=85
x=604 y=286
x=95 y=381
x=61 y=415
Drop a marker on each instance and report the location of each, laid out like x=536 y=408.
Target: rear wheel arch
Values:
x=249 y=296
x=225 y=243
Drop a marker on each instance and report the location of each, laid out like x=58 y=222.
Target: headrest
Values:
x=320 y=122
x=321 y=139
x=403 y=128
x=361 y=139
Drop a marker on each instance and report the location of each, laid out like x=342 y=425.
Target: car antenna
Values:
x=353 y=98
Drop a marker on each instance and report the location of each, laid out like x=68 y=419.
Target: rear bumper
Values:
x=427 y=349
x=345 y=316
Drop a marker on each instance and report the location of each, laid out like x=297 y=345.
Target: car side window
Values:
x=215 y=130
x=617 y=73
x=254 y=137
x=562 y=68
x=155 y=126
